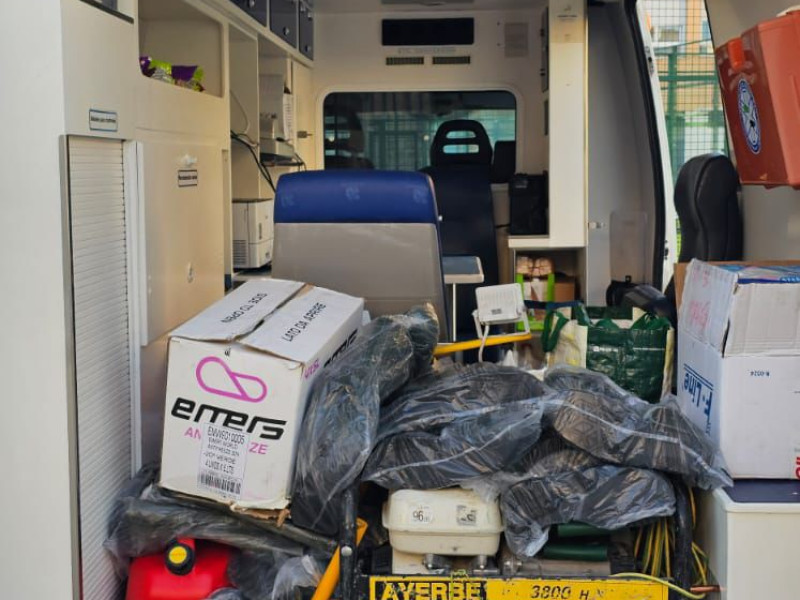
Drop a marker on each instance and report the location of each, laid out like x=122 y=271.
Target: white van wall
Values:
x=620 y=171
x=771 y=217
x=350 y=58
x=36 y=519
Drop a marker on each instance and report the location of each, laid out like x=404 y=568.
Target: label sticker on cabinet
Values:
x=187 y=178
x=103 y=120
x=223 y=457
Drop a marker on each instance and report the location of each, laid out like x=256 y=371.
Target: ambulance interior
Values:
x=149 y=201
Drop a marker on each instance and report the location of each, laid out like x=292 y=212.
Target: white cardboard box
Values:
x=739 y=364
x=238 y=379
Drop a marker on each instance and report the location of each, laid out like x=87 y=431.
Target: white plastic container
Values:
x=451 y=522
x=750 y=534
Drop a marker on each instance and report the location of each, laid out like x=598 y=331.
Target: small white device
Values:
x=253 y=233
x=451 y=523
x=498 y=304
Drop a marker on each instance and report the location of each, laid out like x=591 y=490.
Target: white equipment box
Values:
x=750 y=534
x=451 y=522
x=253 y=232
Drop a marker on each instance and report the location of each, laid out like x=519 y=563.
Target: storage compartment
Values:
x=532 y=270
x=179 y=34
x=183 y=235
x=306 y=29
x=759 y=73
x=451 y=522
x=246 y=177
x=257 y=9
x=283 y=20
x=529 y=205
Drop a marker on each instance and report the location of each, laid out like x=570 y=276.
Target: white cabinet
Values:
x=182 y=239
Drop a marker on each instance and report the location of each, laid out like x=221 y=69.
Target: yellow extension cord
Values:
x=654 y=545
x=664 y=582
x=495 y=340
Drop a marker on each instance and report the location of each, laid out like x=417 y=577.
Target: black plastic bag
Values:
x=341 y=420
x=146 y=525
x=440 y=397
x=254 y=573
x=568 y=485
x=474 y=443
x=595 y=415
x=557 y=483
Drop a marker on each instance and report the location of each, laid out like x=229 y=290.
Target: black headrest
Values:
x=471 y=134
x=707 y=204
x=504 y=163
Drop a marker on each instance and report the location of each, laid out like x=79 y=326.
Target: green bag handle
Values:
x=650 y=322
x=551 y=332
x=581 y=315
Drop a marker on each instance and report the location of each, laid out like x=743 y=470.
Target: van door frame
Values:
x=656 y=133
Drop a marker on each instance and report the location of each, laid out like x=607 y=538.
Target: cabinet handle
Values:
x=286 y=31
x=251 y=3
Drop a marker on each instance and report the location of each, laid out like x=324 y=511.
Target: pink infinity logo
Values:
x=235 y=378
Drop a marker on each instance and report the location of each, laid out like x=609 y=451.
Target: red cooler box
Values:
x=760 y=77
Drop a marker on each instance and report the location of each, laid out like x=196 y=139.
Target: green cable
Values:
x=582 y=552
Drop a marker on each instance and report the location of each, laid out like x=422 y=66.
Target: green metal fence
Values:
x=685 y=60
x=692 y=103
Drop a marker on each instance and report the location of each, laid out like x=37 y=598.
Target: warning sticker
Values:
x=222 y=460
x=467 y=515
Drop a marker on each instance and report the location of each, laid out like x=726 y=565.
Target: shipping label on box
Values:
x=237 y=383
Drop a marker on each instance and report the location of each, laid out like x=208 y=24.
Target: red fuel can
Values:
x=187 y=570
x=760 y=77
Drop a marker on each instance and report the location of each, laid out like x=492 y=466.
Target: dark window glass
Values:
x=394 y=130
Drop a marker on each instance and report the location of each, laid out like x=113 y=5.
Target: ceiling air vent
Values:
x=452 y=60
x=516 y=38
x=426 y=2
x=398 y=61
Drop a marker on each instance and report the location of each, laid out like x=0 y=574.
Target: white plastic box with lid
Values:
x=451 y=522
x=739 y=364
x=237 y=383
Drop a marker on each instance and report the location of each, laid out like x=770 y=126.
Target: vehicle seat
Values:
x=347 y=151
x=504 y=161
x=372 y=234
x=708 y=209
x=706 y=200
x=461 y=164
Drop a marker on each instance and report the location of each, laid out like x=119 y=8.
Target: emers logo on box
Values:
x=268 y=429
